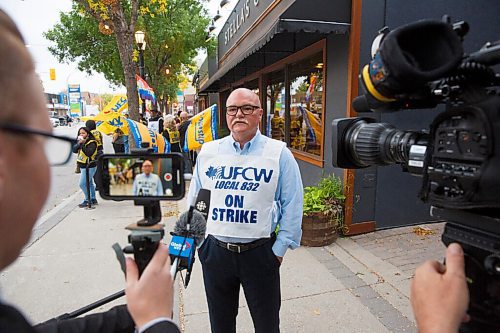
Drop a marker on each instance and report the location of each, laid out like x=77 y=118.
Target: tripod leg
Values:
x=92 y=306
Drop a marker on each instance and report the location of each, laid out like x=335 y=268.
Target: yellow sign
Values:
x=52 y=72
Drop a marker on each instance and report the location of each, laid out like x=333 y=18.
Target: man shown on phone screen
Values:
x=147 y=183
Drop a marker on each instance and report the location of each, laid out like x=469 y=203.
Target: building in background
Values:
x=88 y=103
x=303 y=57
x=57 y=104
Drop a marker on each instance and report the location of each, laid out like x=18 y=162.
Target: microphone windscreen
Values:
x=417 y=53
x=197 y=225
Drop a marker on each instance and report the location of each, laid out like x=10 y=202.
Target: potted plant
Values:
x=323 y=213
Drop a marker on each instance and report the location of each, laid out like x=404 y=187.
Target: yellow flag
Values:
x=107 y=123
x=110 y=118
x=117 y=104
x=203 y=128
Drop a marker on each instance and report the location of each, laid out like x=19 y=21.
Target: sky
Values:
x=33 y=17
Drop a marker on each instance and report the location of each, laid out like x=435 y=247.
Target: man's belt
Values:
x=242 y=247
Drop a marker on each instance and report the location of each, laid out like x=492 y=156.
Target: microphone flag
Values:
x=183 y=248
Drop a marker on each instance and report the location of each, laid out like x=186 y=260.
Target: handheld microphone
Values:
x=189 y=232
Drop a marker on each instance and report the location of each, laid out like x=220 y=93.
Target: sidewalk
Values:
x=357 y=284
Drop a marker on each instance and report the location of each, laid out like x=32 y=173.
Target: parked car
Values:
x=62 y=121
x=55 y=122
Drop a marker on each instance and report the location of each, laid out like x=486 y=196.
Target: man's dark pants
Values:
x=257 y=270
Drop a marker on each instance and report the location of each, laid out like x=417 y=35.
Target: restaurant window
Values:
x=253 y=86
x=202 y=102
x=223 y=129
x=275 y=106
x=306 y=104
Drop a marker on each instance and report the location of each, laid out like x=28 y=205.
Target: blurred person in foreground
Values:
x=254 y=218
x=25 y=173
x=439 y=294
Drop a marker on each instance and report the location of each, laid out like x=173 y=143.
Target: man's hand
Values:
x=151 y=296
x=439 y=294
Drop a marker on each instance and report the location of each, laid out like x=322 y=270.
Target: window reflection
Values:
x=306 y=108
x=275 y=106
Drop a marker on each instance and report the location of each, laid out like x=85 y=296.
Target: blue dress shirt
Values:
x=289 y=193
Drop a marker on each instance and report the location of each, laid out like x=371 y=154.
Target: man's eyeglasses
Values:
x=58 y=149
x=245 y=109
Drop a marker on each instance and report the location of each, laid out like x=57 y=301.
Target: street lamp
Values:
x=141 y=46
x=224 y=3
x=217 y=16
x=211 y=27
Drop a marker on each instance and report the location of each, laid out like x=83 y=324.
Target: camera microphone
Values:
x=189 y=232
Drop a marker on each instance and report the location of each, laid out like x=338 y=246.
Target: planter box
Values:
x=318 y=230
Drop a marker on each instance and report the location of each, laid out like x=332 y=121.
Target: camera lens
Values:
x=379 y=143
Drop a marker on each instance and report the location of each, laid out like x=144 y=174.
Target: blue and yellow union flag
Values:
x=141 y=134
x=107 y=123
x=203 y=128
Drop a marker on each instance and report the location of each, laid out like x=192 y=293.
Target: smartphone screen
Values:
x=142 y=176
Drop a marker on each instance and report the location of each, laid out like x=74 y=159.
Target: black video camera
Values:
x=421 y=65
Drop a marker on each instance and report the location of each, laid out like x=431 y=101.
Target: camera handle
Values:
x=478 y=232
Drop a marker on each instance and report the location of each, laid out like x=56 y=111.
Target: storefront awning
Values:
x=280 y=26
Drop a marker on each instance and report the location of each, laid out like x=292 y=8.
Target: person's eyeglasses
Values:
x=245 y=109
x=58 y=149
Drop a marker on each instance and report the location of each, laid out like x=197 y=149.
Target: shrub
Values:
x=327 y=198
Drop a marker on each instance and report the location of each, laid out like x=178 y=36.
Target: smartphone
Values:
x=142 y=176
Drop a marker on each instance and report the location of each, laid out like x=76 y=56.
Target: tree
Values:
x=174 y=36
x=99 y=35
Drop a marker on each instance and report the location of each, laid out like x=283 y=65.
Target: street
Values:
x=361 y=283
x=64 y=180
x=358 y=284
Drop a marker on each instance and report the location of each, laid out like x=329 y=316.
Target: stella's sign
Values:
x=242 y=18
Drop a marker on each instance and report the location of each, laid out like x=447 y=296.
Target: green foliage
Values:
x=327 y=197
x=77 y=39
x=179 y=24
x=106 y=98
x=174 y=38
